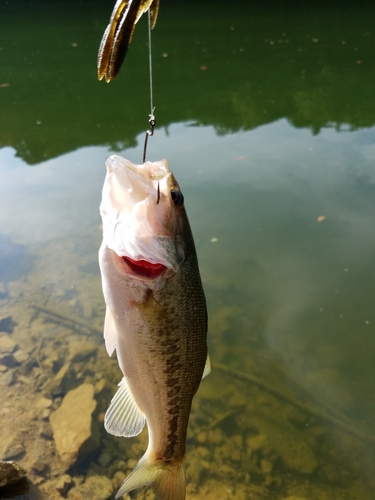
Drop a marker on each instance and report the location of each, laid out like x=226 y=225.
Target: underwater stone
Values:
x=73 y=428
x=266 y=466
x=64 y=484
x=118 y=479
x=131 y=463
x=256 y=442
x=202 y=451
x=227 y=470
x=202 y=437
x=98 y=487
x=216 y=436
x=10 y=473
x=46 y=414
x=21 y=356
x=80 y=350
x=7 y=344
x=105 y=458
x=44 y=403
x=7 y=324
x=52 y=362
x=46 y=432
x=235 y=455
x=12 y=448
x=194 y=470
x=40 y=467
x=61 y=383
x=8 y=379
x=289 y=444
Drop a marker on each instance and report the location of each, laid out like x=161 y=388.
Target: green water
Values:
x=267 y=118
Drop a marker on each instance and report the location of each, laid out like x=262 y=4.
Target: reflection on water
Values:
x=14 y=260
x=235 y=68
x=277 y=169
x=286 y=256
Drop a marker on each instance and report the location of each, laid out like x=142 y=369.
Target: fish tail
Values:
x=168 y=481
x=171 y=483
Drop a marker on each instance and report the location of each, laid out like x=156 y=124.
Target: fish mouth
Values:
x=145 y=268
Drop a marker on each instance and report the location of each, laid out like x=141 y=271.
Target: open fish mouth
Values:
x=140 y=218
x=145 y=268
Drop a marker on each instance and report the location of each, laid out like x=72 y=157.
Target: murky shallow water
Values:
x=289 y=299
x=284 y=226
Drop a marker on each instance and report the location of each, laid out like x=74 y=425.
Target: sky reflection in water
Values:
x=260 y=193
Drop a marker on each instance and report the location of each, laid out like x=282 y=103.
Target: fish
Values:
x=156 y=317
x=119 y=33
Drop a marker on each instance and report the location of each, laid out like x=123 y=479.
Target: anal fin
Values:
x=123 y=417
x=207 y=367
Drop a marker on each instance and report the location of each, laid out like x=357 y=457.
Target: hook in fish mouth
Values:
x=158 y=197
x=144 y=268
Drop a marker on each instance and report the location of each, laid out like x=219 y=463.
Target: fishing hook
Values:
x=152 y=123
x=158 y=198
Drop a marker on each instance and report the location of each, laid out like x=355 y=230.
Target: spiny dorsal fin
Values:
x=123 y=417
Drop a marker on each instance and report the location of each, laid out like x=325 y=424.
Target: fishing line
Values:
x=151 y=120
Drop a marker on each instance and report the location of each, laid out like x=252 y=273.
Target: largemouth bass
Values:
x=156 y=317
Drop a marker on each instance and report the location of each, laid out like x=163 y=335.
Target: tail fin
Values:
x=168 y=481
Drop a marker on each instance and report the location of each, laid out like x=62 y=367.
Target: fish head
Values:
x=144 y=219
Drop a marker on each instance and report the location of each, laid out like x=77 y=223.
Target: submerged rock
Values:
x=8 y=379
x=80 y=350
x=105 y=458
x=46 y=431
x=7 y=324
x=10 y=473
x=98 y=487
x=21 y=356
x=7 y=344
x=64 y=484
x=7 y=347
x=73 y=428
x=44 y=403
x=62 y=382
x=11 y=448
x=288 y=443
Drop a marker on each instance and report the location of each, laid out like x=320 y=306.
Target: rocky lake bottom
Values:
x=252 y=436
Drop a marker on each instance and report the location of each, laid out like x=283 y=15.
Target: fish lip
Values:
x=144 y=268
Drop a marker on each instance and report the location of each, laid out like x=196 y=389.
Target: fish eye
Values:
x=177 y=197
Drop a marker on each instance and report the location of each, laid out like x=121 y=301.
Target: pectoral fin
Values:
x=207 y=367
x=110 y=334
x=123 y=417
